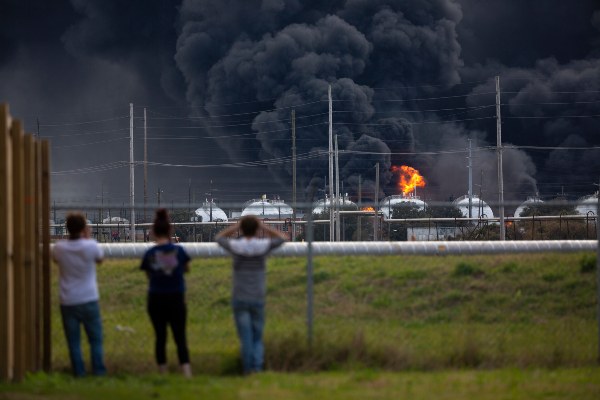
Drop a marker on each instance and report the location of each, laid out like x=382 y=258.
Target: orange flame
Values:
x=371 y=209
x=409 y=178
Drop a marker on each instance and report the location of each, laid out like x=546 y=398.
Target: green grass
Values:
x=563 y=384
x=402 y=313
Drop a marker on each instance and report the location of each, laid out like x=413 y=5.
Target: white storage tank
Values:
x=588 y=205
x=115 y=220
x=209 y=212
x=387 y=205
x=322 y=205
x=479 y=208
x=531 y=201
x=268 y=209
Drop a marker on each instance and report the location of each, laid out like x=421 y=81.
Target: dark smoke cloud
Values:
x=258 y=59
x=138 y=33
x=297 y=54
x=552 y=104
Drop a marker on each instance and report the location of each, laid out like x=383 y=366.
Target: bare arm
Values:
x=230 y=230
x=272 y=232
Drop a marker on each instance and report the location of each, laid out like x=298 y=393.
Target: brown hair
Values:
x=249 y=225
x=162 y=223
x=76 y=223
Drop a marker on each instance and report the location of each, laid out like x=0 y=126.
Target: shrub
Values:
x=587 y=264
x=509 y=267
x=465 y=269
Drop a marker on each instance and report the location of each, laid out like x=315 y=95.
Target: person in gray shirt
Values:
x=249 y=283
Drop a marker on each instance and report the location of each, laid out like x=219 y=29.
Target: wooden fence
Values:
x=24 y=251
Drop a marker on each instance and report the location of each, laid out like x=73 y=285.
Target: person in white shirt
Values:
x=77 y=258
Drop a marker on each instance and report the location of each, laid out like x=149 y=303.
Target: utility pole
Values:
x=158 y=192
x=145 y=165
x=337 y=193
x=131 y=173
x=499 y=150
x=376 y=205
x=211 y=204
x=294 y=175
x=331 y=220
x=189 y=196
x=470 y=181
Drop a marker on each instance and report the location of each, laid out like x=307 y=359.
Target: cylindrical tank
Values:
x=479 y=208
x=588 y=204
x=115 y=220
x=532 y=200
x=269 y=209
x=387 y=205
x=209 y=212
x=321 y=205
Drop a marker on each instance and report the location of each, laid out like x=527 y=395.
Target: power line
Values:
x=554 y=117
x=415 y=122
x=431 y=98
x=89 y=143
x=84 y=133
x=83 y=122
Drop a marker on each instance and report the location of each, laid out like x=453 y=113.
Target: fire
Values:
x=371 y=209
x=409 y=178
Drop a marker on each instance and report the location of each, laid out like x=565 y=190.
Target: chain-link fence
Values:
x=393 y=312
x=402 y=221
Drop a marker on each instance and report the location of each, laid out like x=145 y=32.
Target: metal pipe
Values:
x=299 y=249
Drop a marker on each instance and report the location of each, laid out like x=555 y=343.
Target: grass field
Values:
x=519 y=326
x=561 y=384
x=394 y=313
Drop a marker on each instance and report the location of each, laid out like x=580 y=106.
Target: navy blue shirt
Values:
x=165 y=265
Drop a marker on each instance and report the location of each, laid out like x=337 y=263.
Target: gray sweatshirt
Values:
x=249 y=267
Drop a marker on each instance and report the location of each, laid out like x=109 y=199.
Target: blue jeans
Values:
x=250 y=320
x=87 y=314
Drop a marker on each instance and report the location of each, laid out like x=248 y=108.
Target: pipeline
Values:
x=294 y=249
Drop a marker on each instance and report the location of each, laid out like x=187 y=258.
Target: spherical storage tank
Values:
x=588 y=204
x=388 y=204
x=265 y=208
x=115 y=220
x=209 y=212
x=526 y=204
x=323 y=204
x=479 y=208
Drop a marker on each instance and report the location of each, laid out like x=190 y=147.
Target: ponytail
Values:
x=162 y=223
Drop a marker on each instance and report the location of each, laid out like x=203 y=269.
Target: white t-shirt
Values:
x=77 y=270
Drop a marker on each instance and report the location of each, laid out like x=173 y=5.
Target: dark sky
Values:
x=412 y=81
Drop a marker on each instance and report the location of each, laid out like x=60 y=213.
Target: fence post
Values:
x=19 y=326
x=598 y=269
x=46 y=301
x=6 y=249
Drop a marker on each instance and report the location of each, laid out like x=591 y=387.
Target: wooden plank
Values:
x=38 y=316
x=20 y=325
x=29 y=258
x=6 y=249
x=46 y=271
